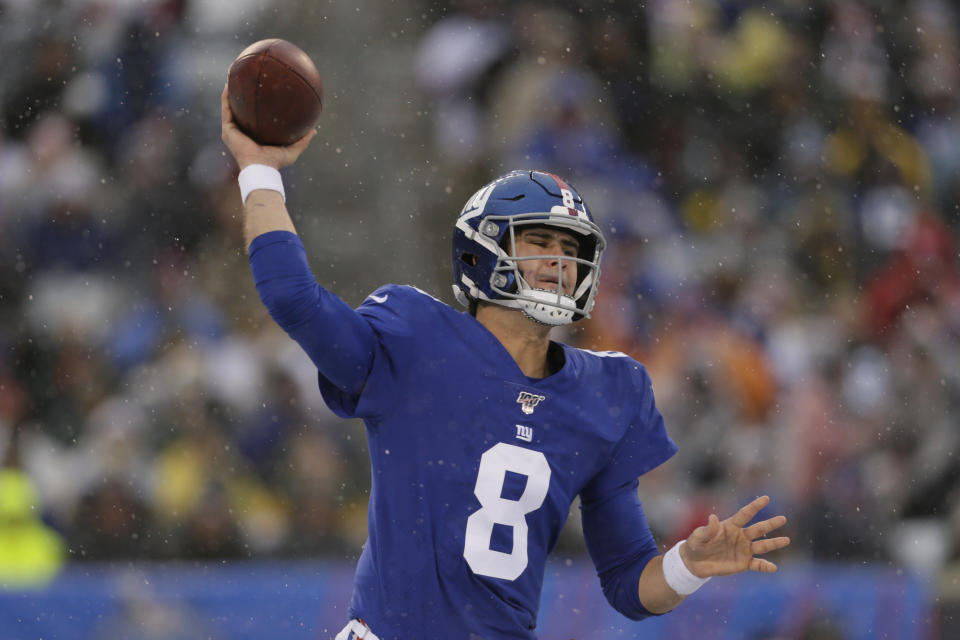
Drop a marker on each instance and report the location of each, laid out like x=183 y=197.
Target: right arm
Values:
x=264 y=210
x=337 y=338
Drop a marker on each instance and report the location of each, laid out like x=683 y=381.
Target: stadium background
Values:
x=779 y=182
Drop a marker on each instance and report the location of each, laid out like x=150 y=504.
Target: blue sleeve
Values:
x=614 y=525
x=620 y=544
x=644 y=446
x=393 y=314
x=338 y=340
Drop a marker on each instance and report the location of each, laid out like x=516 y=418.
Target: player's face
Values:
x=544 y=274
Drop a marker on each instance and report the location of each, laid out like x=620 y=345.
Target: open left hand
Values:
x=723 y=547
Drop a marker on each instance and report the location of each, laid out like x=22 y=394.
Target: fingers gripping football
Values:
x=246 y=151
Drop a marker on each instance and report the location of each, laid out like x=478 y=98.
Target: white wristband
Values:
x=259 y=176
x=677 y=575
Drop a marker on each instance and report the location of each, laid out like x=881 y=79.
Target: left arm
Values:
x=620 y=542
x=718 y=548
x=630 y=568
x=655 y=594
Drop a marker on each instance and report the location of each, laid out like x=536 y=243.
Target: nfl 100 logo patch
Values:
x=529 y=401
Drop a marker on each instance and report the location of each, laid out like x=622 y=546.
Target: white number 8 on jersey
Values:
x=495 y=509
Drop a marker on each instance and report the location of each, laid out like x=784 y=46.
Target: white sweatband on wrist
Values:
x=259 y=176
x=677 y=575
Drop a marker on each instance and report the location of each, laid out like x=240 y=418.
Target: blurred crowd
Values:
x=778 y=182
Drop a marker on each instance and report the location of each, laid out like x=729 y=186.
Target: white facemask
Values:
x=541 y=305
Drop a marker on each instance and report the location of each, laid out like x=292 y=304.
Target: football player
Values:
x=482 y=430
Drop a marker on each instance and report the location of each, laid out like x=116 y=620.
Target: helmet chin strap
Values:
x=543 y=306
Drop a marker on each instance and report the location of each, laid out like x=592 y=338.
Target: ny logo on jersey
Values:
x=529 y=401
x=524 y=433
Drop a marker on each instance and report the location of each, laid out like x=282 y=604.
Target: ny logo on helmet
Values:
x=529 y=401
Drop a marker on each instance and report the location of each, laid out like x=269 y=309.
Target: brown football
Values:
x=275 y=92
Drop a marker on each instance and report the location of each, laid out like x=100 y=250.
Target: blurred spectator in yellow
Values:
x=31 y=553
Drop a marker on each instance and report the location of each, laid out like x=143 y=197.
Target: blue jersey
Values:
x=474 y=464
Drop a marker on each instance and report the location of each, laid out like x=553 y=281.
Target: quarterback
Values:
x=481 y=430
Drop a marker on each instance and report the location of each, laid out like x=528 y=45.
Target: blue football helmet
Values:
x=484 y=270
